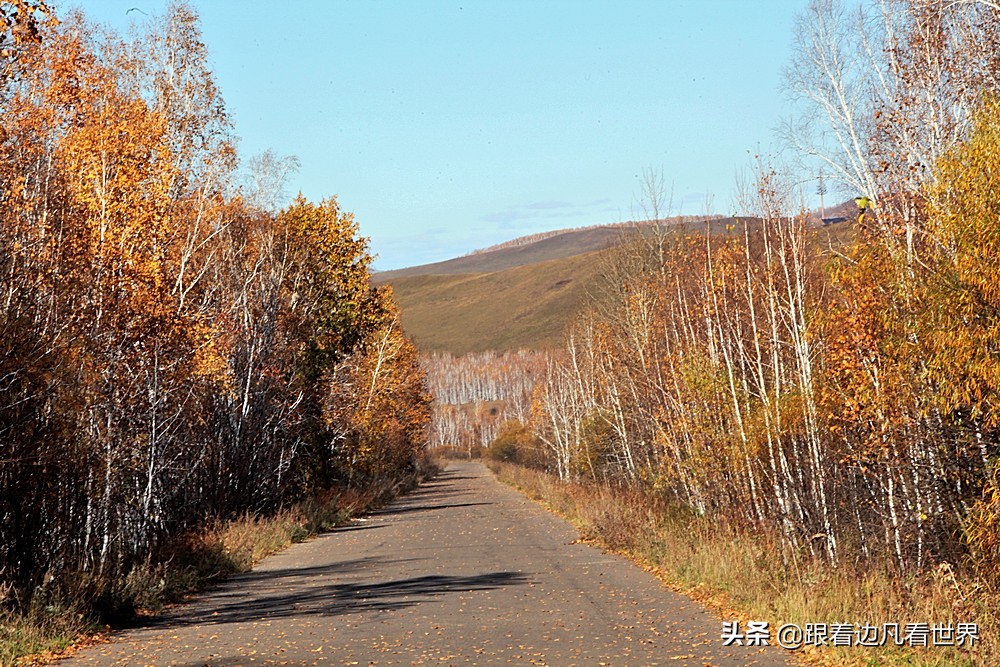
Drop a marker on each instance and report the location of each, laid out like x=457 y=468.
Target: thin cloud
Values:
x=541 y=209
x=548 y=205
x=510 y=215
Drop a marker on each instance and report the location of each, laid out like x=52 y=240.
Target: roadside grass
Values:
x=741 y=576
x=59 y=622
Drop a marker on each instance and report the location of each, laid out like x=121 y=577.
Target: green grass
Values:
x=41 y=636
x=738 y=575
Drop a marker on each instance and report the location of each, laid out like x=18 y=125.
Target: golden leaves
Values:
x=182 y=341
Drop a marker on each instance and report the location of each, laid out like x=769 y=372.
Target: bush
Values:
x=513 y=441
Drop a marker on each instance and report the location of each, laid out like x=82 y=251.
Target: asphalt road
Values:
x=464 y=571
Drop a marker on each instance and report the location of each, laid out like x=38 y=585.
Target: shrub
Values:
x=513 y=441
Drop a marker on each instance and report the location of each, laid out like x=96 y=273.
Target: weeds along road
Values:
x=464 y=571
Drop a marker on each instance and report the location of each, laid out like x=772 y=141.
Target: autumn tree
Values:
x=377 y=406
x=474 y=394
x=883 y=89
x=170 y=350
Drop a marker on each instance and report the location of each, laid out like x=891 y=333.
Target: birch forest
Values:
x=181 y=343
x=174 y=345
x=841 y=396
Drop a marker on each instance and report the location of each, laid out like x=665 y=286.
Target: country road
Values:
x=464 y=571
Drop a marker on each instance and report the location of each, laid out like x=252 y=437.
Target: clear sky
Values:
x=450 y=126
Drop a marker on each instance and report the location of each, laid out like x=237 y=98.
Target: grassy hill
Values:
x=566 y=244
x=520 y=296
x=523 y=306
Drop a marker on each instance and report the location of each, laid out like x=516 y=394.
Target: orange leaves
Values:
x=331 y=304
x=119 y=171
x=179 y=343
x=377 y=401
x=982 y=527
x=961 y=262
x=20 y=25
x=106 y=164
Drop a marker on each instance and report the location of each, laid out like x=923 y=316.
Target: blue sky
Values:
x=450 y=126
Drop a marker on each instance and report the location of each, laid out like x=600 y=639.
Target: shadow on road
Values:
x=356 y=526
x=335 y=598
x=450 y=477
x=436 y=491
x=343 y=587
x=421 y=508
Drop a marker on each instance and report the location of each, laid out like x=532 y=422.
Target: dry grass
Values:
x=524 y=296
x=520 y=307
x=740 y=575
x=41 y=636
x=62 y=621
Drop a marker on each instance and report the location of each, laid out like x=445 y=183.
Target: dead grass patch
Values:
x=739 y=575
x=62 y=621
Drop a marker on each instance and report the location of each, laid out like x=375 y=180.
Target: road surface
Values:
x=464 y=571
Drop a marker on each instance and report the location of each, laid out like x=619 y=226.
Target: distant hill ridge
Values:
x=541 y=236
x=535 y=248
x=523 y=293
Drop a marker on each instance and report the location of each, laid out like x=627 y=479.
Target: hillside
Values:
x=558 y=246
x=521 y=296
x=524 y=306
